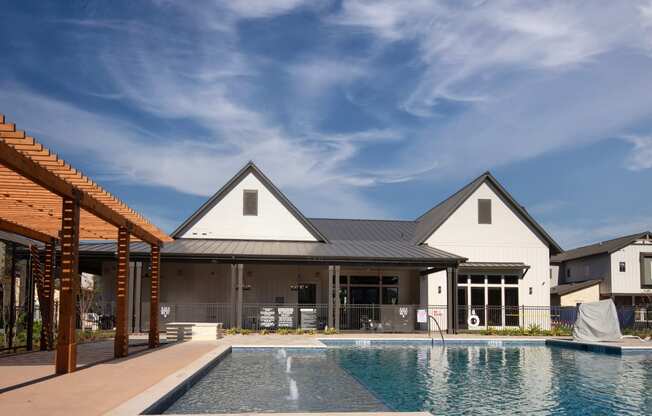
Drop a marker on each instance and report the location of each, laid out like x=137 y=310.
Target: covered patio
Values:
x=54 y=205
x=259 y=285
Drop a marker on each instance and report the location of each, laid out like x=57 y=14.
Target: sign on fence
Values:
x=267 y=317
x=285 y=317
x=308 y=318
x=422 y=316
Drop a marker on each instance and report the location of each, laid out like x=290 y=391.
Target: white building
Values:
x=622 y=266
x=248 y=249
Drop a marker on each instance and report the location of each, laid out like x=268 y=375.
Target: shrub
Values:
x=282 y=331
x=330 y=331
x=263 y=332
x=232 y=331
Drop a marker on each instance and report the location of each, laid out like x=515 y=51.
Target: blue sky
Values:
x=355 y=109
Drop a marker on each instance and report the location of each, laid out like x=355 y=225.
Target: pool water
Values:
x=484 y=380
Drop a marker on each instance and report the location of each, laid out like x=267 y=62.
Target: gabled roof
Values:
x=603 y=247
x=429 y=222
x=567 y=288
x=250 y=167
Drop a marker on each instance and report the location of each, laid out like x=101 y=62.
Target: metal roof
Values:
x=244 y=250
x=365 y=230
x=493 y=265
x=603 y=247
x=429 y=222
x=572 y=287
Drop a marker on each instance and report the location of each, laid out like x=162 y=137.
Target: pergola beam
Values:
x=31 y=170
x=14 y=228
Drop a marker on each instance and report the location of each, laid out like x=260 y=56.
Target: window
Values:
x=250 y=202
x=484 y=211
x=365 y=280
x=390 y=280
x=568 y=272
x=646 y=270
x=390 y=296
x=621 y=266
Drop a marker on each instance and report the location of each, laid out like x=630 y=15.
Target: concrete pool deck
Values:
x=126 y=386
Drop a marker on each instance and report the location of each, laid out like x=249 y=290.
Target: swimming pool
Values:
x=458 y=379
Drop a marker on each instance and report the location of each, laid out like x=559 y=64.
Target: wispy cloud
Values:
x=640 y=157
x=431 y=89
x=465 y=46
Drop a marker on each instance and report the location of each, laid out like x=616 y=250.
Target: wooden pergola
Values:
x=47 y=200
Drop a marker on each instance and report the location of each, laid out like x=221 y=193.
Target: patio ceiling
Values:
x=33 y=182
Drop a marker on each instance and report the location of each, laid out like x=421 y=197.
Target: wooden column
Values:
x=330 y=296
x=233 y=297
x=121 y=342
x=155 y=267
x=47 y=303
x=32 y=274
x=240 y=295
x=337 y=298
x=66 y=356
x=451 y=287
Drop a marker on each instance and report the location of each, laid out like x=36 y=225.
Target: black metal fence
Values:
x=378 y=318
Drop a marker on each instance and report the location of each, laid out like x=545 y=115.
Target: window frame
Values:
x=245 y=193
x=485 y=207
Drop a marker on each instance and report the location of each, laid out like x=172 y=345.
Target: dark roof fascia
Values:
x=469 y=189
x=566 y=288
x=250 y=167
x=230 y=259
x=632 y=238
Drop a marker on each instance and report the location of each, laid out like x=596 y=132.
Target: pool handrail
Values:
x=438 y=328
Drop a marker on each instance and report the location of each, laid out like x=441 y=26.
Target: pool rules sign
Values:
x=267 y=318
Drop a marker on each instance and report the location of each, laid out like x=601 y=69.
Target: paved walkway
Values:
x=23 y=368
x=100 y=388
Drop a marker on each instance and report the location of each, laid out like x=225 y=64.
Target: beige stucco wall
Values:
x=589 y=294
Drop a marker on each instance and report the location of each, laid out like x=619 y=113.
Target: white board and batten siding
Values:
x=507 y=239
x=629 y=281
x=226 y=220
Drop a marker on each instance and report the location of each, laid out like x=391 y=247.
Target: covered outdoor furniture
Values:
x=597 y=321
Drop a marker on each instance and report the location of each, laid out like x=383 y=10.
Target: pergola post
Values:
x=155 y=267
x=46 y=303
x=33 y=272
x=12 y=296
x=330 y=296
x=121 y=342
x=66 y=356
x=337 y=298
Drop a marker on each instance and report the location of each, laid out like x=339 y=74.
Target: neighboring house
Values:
x=622 y=266
x=249 y=246
x=572 y=294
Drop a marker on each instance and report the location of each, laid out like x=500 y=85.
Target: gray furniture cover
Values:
x=597 y=321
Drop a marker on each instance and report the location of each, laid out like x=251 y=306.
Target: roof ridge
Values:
x=604 y=242
x=359 y=219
